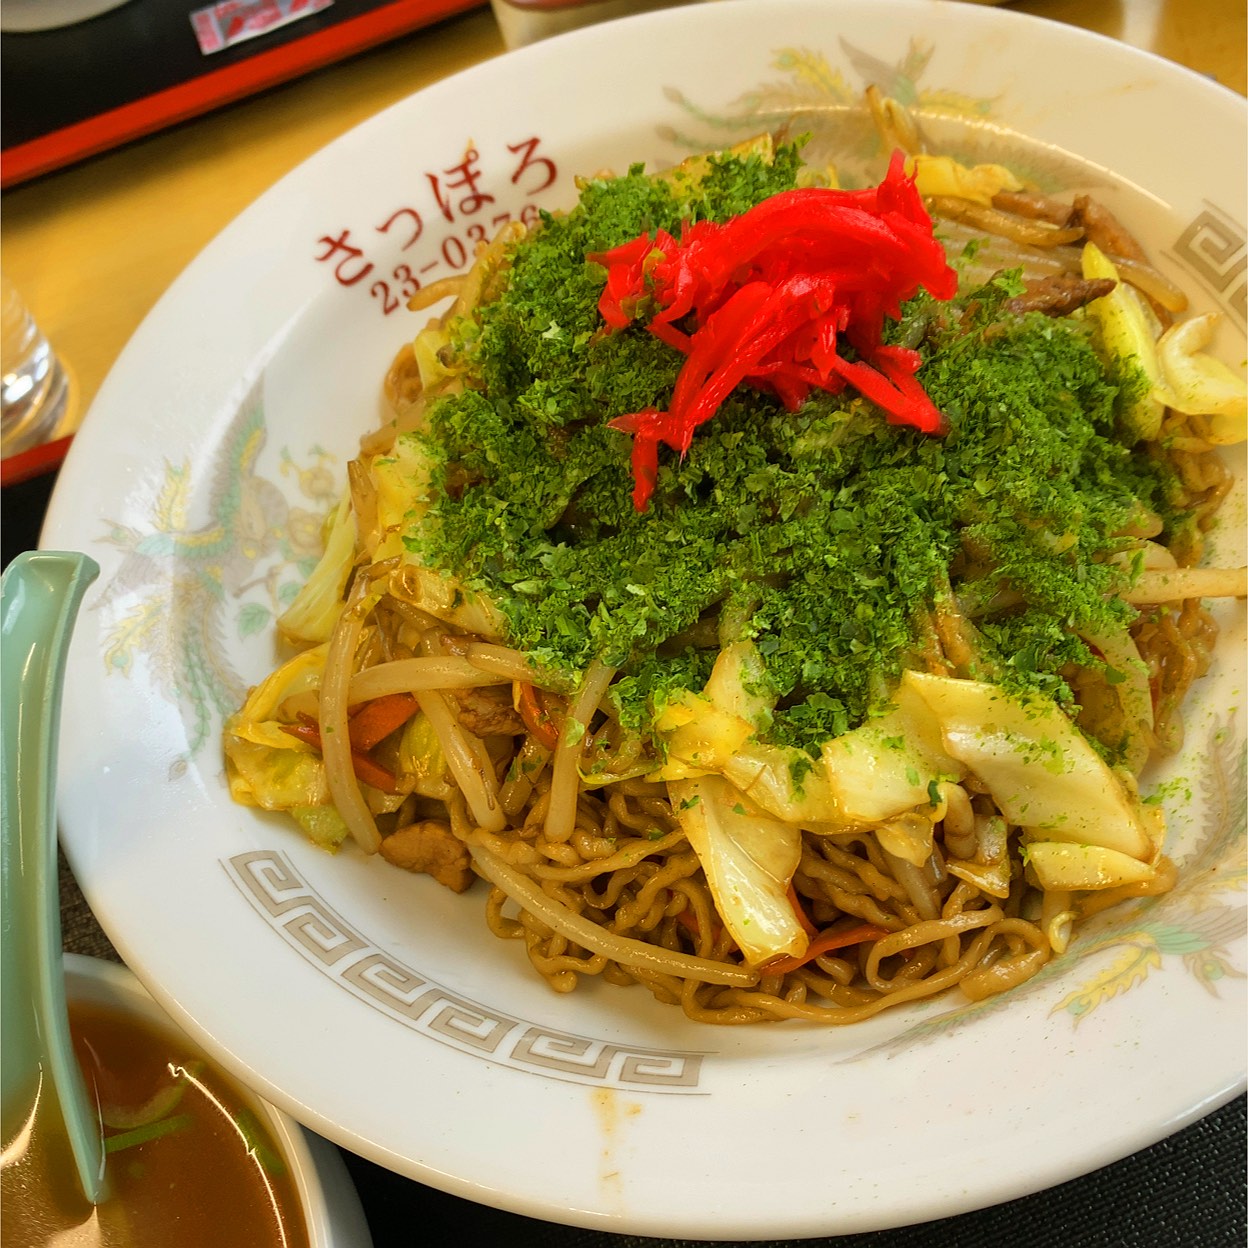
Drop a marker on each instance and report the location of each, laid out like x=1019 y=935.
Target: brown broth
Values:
x=189 y=1162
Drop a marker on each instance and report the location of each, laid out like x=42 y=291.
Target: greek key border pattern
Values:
x=290 y=906
x=1213 y=249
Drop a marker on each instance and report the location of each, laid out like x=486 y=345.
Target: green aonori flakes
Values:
x=825 y=535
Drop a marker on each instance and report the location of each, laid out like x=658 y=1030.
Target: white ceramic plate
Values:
x=373 y=1005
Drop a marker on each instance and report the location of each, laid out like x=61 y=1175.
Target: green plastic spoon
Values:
x=40 y=594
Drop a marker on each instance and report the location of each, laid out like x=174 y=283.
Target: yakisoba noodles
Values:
x=772 y=591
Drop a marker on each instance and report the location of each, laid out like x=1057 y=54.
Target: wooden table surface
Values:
x=94 y=246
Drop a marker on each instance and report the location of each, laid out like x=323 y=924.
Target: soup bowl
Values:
x=255 y=1169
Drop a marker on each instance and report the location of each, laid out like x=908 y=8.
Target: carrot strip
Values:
x=308 y=733
x=535 y=715
x=378 y=718
x=365 y=769
x=825 y=942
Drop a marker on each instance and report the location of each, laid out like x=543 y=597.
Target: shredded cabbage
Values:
x=1129 y=335
x=942 y=175
x=888 y=765
x=1198 y=384
x=1042 y=772
x=310 y=618
x=1062 y=865
x=400 y=479
x=749 y=860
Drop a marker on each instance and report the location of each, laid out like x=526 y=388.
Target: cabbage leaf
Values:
x=749 y=859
